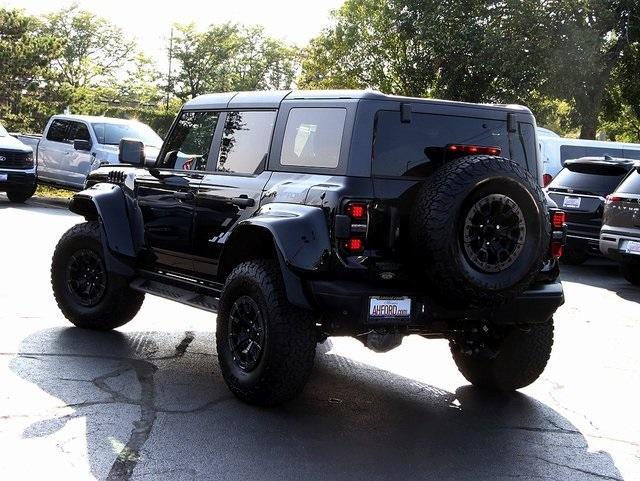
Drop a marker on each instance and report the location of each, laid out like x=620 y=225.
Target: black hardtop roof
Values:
x=273 y=98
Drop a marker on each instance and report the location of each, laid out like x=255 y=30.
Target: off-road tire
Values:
x=574 y=257
x=631 y=272
x=118 y=304
x=521 y=358
x=437 y=224
x=290 y=338
x=20 y=196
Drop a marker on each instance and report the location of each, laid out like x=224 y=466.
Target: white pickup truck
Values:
x=74 y=145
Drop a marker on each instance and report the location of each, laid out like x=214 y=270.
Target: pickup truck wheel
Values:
x=509 y=361
x=631 y=272
x=480 y=230
x=86 y=292
x=266 y=346
x=20 y=196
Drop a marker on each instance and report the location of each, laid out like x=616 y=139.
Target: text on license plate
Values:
x=633 y=247
x=4 y=177
x=571 y=202
x=386 y=307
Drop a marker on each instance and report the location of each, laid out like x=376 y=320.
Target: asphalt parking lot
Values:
x=147 y=402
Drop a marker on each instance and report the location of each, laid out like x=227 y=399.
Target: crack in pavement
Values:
x=580 y=470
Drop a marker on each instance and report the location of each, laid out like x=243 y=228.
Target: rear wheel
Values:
x=266 y=346
x=19 y=196
x=631 y=272
x=504 y=358
x=87 y=293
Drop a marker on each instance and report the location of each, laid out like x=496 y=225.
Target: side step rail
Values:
x=198 y=300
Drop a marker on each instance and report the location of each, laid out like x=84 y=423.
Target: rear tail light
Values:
x=558 y=219
x=354 y=245
x=546 y=179
x=557 y=249
x=613 y=198
x=473 y=149
x=356 y=210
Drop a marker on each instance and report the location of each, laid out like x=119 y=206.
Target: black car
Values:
x=301 y=215
x=620 y=234
x=17 y=169
x=580 y=190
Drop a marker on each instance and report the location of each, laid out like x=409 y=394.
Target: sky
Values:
x=150 y=22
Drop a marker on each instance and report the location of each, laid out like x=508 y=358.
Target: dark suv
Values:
x=17 y=168
x=620 y=234
x=300 y=215
x=580 y=190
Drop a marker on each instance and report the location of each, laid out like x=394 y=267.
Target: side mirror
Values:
x=131 y=152
x=80 y=144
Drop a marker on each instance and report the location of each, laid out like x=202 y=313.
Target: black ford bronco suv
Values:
x=300 y=215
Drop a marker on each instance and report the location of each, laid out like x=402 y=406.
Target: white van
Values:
x=554 y=150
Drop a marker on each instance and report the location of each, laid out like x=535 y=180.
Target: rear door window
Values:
x=631 y=184
x=58 y=130
x=245 y=141
x=415 y=148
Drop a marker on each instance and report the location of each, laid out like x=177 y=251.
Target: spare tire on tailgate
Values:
x=480 y=230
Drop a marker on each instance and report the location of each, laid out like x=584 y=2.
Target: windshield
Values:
x=111 y=134
x=3 y=132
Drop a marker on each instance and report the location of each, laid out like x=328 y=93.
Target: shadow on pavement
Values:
x=163 y=401
x=604 y=274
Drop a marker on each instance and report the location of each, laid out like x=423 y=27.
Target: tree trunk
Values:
x=589 y=127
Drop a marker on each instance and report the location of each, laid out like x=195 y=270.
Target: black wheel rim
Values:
x=86 y=277
x=494 y=233
x=246 y=333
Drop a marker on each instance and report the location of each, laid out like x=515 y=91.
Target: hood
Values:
x=11 y=143
x=151 y=153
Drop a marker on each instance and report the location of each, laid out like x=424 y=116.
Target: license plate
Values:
x=4 y=177
x=571 y=202
x=633 y=247
x=389 y=308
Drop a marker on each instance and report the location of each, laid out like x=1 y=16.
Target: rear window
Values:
x=416 y=147
x=589 y=179
x=631 y=184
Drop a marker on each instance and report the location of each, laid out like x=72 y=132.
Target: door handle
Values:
x=243 y=201
x=184 y=195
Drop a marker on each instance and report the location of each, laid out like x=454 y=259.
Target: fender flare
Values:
x=108 y=204
x=301 y=239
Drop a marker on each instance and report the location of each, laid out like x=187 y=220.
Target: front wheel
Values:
x=21 y=195
x=87 y=293
x=266 y=346
x=504 y=358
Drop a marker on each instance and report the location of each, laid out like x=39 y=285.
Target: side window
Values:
x=189 y=143
x=78 y=131
x=313 y=137
x=58 y=131
x=245 y=141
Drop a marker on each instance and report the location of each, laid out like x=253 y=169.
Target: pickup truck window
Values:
x=58 y=130
x=313 y=137
x=78 y=131
x=189 y=143
x=245 y=141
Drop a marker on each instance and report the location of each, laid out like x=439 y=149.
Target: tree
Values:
x=26 y=52
x=94 y=50
x=230 y=57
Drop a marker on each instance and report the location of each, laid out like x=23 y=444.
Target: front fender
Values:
x=107 y=203
x=300 y=233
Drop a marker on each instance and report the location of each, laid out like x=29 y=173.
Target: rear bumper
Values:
x=346 y=303
x=18 y=179
x=613 y=244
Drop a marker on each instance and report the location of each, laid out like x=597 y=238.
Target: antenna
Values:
x=166 y=105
